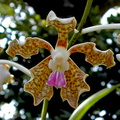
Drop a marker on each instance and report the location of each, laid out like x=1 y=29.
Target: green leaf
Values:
x=89 y=102
x=6 y=9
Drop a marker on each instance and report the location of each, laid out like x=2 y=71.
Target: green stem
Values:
x=18 y=66
x=100 y=27
x=44 y=109
x=82 y=22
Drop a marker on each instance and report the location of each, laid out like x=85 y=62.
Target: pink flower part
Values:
x=57 y=79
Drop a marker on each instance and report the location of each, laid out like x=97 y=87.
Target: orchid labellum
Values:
x=58 y=69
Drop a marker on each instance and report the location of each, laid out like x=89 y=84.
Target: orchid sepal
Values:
x=63 y=26
x=76 y=85
x=118 y=57
x=36 y=86
x=29 y=48
x=93 y=55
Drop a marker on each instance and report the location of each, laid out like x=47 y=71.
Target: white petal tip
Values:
x=118 y=57
x=65 y=20
x=76 y=31
x=118 y=39
x=51 y=15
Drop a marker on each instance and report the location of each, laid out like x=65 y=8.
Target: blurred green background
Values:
x=26 y=18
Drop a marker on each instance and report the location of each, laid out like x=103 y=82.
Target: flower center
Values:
x=59 y=65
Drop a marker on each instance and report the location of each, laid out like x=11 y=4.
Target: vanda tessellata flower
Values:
x=58 y=69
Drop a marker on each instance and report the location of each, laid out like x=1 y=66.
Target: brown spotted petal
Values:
x=63 y=26
x=29 y=48
x=93 y=55
x=76 y=84
x=37 y=85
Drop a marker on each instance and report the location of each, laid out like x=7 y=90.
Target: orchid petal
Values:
x=5 y=76
x=118 y=57
x=29 y=48
x=37 y=85
x=63 y=26
x=93 y=55
x=76 y=85
x=118 y=39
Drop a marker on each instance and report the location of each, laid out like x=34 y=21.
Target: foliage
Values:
x=89 y=102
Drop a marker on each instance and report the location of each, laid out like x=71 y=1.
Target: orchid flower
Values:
x=5 y=76
x=58 y=70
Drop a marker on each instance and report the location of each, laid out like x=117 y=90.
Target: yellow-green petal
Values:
x=93 y=55
x=76 y=85
x=29 y=48
x=37 y=85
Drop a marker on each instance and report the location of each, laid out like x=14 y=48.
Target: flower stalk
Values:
x=18 y=66
x=81 y=23
x=44 y=109
x=100 y=27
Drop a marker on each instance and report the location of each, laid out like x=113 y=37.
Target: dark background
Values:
x=97 y=80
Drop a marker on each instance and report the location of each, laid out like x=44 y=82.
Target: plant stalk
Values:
x=44 y=109
x=81 y=23
x=18 y=66
x=100 y=27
